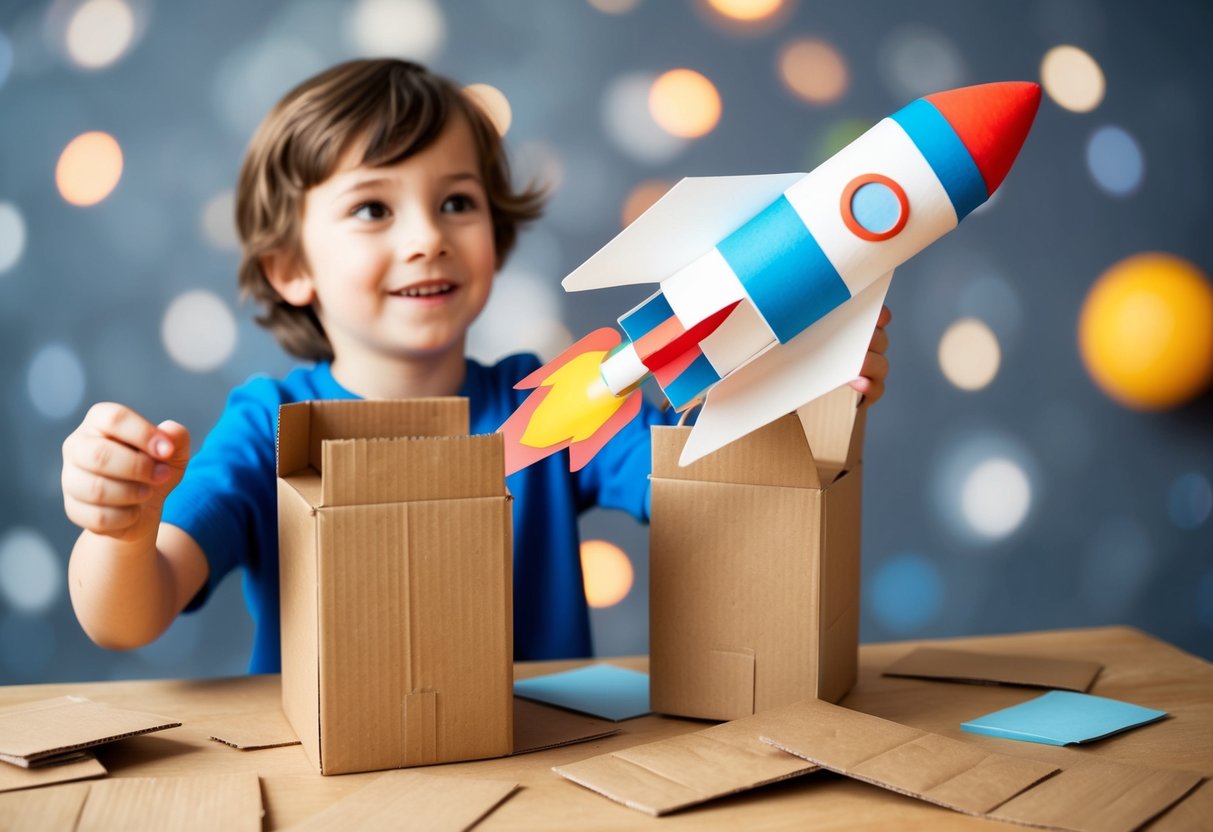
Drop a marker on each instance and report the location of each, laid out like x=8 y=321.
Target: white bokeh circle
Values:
x=12 y=236
x=55 y=381
x=31 y=576
x=199 y=331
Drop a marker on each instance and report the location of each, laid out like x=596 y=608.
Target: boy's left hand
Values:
x=875 y=364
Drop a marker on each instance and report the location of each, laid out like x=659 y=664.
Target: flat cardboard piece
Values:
x=673 y=774
x=252 y=730
x=989 y=668
x=48 y=728
x=1099 y=795
x=13 y=778
x=395 y=551
x=537 y=727
x=1061 y=717
x=601 y=690
x=410 y=800
x=1089 y=795
x=38 y=810
x=231 y=802
x=918 y=763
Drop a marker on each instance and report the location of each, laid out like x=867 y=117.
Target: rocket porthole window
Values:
x=874 y=207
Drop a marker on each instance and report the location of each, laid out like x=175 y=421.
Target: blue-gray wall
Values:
x=1117 y=526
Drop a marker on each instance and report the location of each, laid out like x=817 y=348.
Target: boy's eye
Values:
x=371 y=211
x=458 y=204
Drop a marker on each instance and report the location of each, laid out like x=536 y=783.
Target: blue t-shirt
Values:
x=228 y=503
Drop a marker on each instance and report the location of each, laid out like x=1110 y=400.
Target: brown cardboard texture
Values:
x=53 y=731
x=1091 y=794
x=396 y=567
x=683 y=771
x=410 y=800
x=754 y=559
x=231 y=802
x=990 y=668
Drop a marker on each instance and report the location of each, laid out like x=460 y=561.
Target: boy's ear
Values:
x=291 y=282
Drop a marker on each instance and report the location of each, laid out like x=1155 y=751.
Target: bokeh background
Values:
x=1042 y=458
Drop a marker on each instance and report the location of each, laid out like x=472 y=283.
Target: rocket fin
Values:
x=689 y=220
x=784 y=378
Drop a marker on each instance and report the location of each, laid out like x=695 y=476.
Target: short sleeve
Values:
x=228 y=492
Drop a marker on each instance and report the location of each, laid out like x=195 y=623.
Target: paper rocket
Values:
x=770 y=286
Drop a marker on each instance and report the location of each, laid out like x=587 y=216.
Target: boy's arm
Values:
x=129 y=574
x=126 y=593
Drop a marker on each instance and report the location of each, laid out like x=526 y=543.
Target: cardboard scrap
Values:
x=13 y=778
x=908 y=760
x=1091 y=795
x=987 y=668
x=1099 y=795
x=231 y=802
x=1062 y=718
x=40 y=809
x=410 y=800
x=39 y=731
x=250 y=731
x=672 y=774
x=599 y=690
x=537 y=727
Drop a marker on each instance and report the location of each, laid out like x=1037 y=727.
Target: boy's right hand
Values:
x=118 y=468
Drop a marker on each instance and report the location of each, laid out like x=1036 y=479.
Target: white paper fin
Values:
x=691 y=218
x=826 y=355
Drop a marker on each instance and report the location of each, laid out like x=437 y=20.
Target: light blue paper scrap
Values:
x=1062 y=717
x=601 y=690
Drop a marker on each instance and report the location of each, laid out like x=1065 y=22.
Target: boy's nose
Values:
x=422 y=240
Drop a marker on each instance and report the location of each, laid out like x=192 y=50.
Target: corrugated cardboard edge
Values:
x=990 y=668
x=69 y=723
x=653 y=778
x=431 y=802
x=231 y=802
x=251 y=730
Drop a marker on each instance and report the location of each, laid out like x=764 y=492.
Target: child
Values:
x=374 y=206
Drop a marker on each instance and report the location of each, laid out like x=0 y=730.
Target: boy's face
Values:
x=400 y=258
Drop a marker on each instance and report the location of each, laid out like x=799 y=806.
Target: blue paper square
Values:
x=1062 y=717
x=599 y=690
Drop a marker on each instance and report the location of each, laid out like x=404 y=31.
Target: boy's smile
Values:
x=399 y=259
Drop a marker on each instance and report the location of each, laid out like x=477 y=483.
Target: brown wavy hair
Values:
x=398 y=108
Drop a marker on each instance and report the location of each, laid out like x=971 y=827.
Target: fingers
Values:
x=882 y=320
x=121 y=424
x=118 y=467
x=880 y=342
x=875 y=367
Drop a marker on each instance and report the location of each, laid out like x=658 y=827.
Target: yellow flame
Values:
x=578 y=404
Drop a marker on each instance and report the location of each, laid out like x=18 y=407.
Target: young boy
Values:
x=374 y=206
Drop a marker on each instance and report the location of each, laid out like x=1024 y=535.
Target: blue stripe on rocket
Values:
x=945 y=153
x=692 y=381
x=783 y=269
x=647 y=315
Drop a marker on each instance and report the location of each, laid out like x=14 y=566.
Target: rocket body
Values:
x=769 y=285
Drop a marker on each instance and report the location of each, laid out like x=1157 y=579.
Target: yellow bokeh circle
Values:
x=89 y=168
x=685 y=103
x=607 y=573
x=1145 y=331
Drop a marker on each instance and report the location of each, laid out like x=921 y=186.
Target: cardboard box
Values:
x=754 y=559
x=395 y=538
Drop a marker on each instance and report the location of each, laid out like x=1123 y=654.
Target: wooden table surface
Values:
x=1137 y=668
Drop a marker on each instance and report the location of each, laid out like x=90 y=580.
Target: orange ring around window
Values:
x=848 y=215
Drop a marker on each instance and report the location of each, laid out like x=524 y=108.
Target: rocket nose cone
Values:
x=992 y=120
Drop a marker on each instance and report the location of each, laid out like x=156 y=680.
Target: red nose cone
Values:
x=992 y=121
